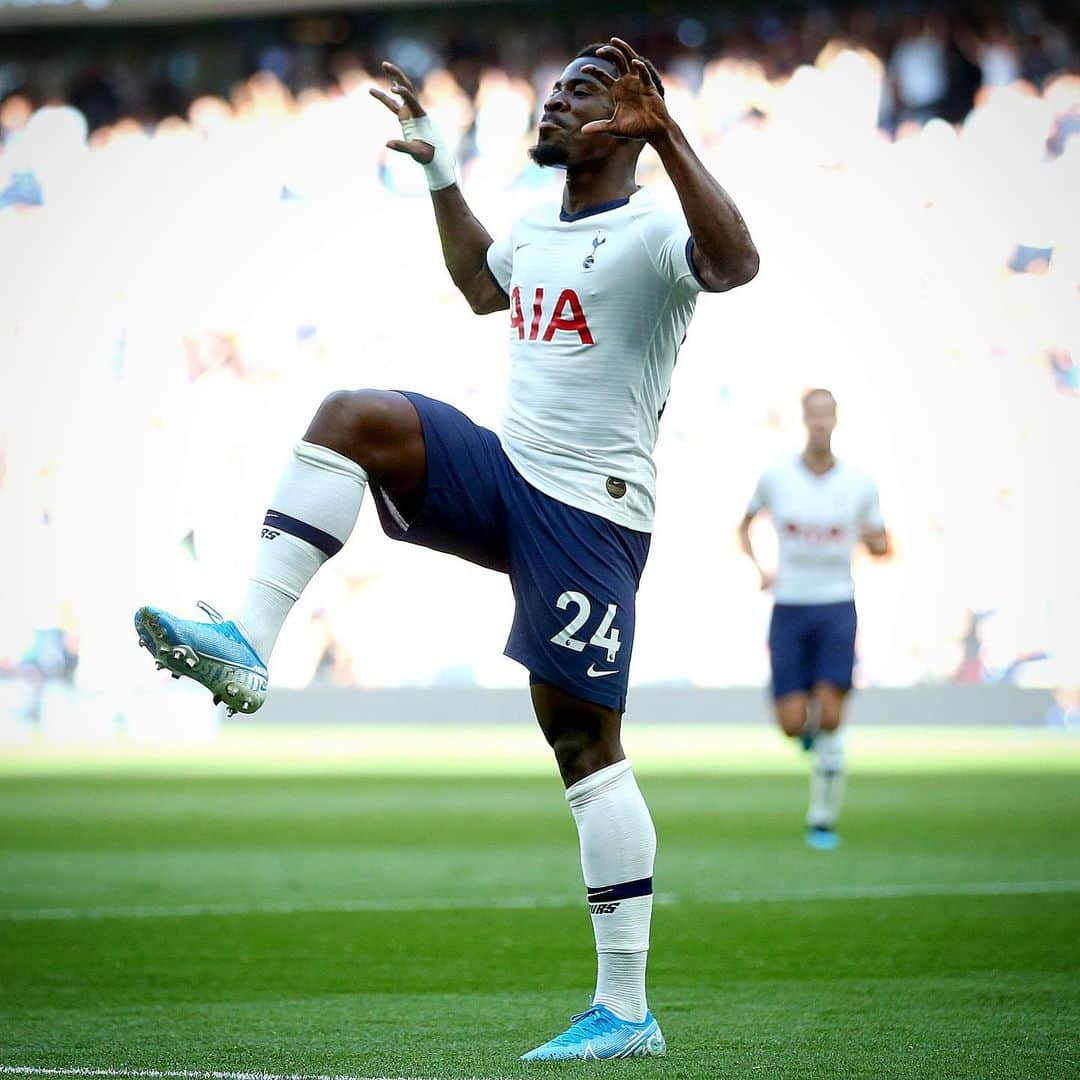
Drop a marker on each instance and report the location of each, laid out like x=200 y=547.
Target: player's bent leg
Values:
x=353 y=435
x=791 y=713
x=618 y=848
x=792 y=673
x=380 y=431
x=829 y=700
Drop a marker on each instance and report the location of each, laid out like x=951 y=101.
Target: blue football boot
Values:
x=598 y=1034
x=215 y=654
x=822 y=837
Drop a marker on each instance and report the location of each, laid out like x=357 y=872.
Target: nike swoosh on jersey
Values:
x=593 y=673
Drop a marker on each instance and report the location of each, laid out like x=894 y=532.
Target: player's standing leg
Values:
x=833 y=664
x=618 y=846
x=827 y=771
x=354 y=434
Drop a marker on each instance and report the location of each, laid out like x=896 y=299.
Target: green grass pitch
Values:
x=381 y=917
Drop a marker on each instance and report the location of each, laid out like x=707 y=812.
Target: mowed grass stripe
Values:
x=180 y=1074
x=856 y=892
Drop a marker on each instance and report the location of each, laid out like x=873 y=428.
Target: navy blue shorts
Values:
x=811 y=643
x=574 y=574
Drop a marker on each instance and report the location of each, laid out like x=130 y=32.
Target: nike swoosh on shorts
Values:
x=594 y=674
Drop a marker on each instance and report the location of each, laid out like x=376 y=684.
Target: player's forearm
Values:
x=725 y=254
x=747 y=547
x=464 y=244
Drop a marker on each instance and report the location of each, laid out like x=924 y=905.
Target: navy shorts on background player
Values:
x=574 y=574
x=811 y=643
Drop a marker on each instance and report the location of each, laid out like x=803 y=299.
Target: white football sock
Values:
x=618 y=846
x=311 y=516
x=827 y=777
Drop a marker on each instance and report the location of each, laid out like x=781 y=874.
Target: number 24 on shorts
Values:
x=606 y=636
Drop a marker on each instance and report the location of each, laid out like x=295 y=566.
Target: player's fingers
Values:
x=408 y=95
x=419 y=151
x=599 y=73
x=614 y=56
x=386 y=99
x=643 y=73
x=597 y=127
x=626 y=47
x=396 y=73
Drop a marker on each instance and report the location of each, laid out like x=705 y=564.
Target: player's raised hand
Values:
x=640 y=112
x=408 y=108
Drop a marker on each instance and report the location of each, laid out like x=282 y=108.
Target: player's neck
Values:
x=588 y=185
x=818 y=461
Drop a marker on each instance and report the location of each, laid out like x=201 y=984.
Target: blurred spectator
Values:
x=178 y=291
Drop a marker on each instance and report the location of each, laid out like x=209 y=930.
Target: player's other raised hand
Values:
x=639 y=110
x=408 y=108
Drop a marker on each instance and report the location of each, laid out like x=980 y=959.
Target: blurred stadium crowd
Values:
x=180 y=288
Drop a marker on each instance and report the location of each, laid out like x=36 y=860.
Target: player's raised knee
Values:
x=365 y=425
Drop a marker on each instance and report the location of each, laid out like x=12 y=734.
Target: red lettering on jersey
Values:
x=516 y=318
x=815 y=533
x=538 y=304
x=577 y=324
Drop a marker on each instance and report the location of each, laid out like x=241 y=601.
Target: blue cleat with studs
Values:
x=215 y=654
x=598 y=1035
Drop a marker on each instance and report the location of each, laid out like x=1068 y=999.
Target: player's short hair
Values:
x=592 y=52
x=814 y=392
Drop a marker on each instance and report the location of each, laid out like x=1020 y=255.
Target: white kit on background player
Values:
x=819 y=520
x=599 y=305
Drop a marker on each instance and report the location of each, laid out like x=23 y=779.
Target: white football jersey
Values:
x=599 y=305
x=818 y=520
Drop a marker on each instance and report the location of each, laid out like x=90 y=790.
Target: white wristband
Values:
x=441 y=170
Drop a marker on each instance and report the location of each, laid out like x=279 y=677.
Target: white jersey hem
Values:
x=577 y=499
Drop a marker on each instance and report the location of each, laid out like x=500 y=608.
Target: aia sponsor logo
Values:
x=565 y=316
x=814 y=533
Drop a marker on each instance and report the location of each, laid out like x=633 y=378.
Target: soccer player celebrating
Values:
x=600 y=291
x=821 y=508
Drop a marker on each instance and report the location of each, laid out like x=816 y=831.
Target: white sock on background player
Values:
x=618 y=846
x=311 y=516
x=827 y=778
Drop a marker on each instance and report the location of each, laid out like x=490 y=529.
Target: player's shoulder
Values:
x=782 y=468
x=542 y=214
x=853 y=474
x=654 y=213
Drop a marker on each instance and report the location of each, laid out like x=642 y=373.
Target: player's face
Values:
x=819 y=416
x=574 y=101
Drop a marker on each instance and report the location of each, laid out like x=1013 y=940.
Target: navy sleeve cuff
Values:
x=690 y=245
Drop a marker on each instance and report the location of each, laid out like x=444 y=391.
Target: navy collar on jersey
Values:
x=603 y=208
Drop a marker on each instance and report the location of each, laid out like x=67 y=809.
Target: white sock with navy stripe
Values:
x=311 y=516
x=618 y=846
